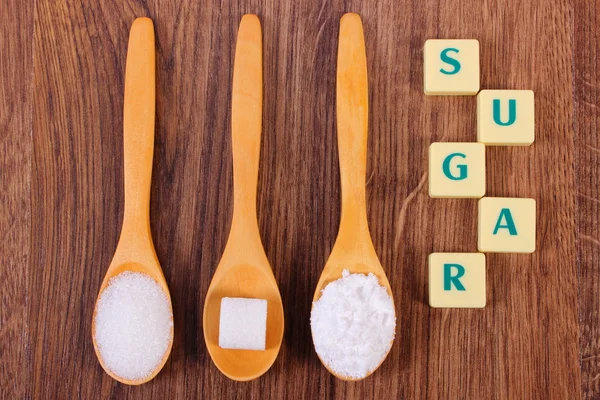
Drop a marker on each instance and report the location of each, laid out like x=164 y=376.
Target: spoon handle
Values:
x=352 y=123
x=138 y=127
x=246 y=124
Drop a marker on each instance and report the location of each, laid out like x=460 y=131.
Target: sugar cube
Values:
x=243 y=323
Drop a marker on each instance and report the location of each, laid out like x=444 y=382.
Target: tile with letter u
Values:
x=505 y=117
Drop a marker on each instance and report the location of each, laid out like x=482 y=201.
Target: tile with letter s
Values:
x=451 y=67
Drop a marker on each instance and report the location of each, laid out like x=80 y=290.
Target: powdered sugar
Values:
x=353 y=324
x=133 y=325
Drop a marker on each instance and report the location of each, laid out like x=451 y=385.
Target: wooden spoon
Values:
x=353 y=248
x=244 y=270
x=135 y=250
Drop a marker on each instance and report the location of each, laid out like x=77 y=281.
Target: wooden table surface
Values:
x=62 y=68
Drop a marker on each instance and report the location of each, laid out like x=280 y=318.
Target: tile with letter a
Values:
x=457 y=280
x=506 y=225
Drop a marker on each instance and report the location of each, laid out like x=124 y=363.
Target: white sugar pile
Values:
x=133 y=325
x=353 y=324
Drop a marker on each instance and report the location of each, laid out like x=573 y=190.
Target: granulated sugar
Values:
x=353 y=324
x=133 y=325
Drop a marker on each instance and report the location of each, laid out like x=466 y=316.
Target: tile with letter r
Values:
x=457 y=280
x=506 y=225
x=456 y=170
x=505 y=117
x=451 y=67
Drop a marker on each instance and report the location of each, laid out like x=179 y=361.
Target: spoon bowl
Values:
x=135 y=251
x=244 y=269
x=333 y=271
x=155 y=273
x=357 y=261
x=353 y=249
x=249 y=282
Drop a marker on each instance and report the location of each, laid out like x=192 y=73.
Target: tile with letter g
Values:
x=505 y=117
x=456 y=170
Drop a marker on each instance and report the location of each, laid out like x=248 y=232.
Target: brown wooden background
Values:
x=61 y=95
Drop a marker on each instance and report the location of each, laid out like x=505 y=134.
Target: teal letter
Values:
x=512 y=112
x=449 y=60
x=461 y=167
x=510 y=223
x=449 y=279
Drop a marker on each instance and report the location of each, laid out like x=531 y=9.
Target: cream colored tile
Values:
x=506 y=225
x=457 y=280
x=457 y=170
x=505 y=117
x=451 y=67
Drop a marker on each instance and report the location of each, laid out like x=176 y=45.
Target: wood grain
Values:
x=62 y=198
x=587 y=96
x=16 y=65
